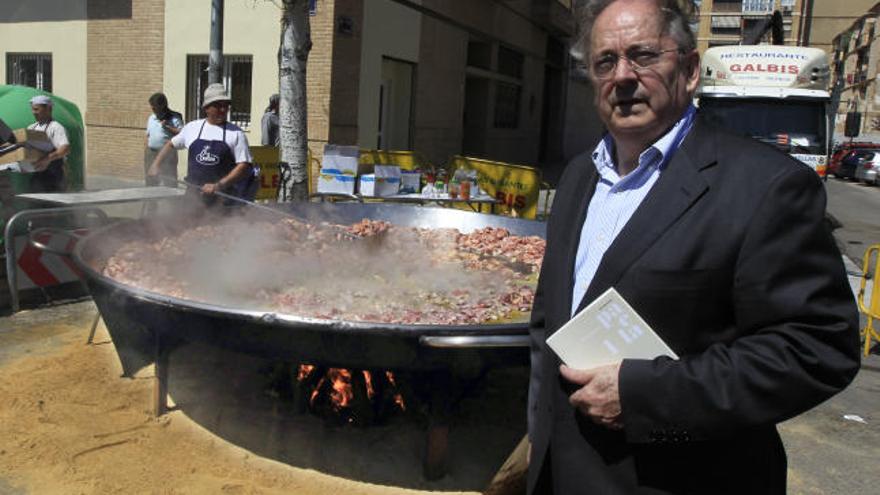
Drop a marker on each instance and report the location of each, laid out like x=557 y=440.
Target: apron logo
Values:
x=205 y=157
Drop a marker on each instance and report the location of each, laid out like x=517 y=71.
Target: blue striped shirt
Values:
x=617 y=198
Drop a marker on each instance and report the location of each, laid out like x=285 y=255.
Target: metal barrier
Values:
x=872 y=312
x=29 y=215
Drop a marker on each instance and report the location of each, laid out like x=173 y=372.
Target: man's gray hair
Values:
x=675 y=18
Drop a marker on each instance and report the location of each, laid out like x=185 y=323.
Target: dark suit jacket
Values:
x=729 y=259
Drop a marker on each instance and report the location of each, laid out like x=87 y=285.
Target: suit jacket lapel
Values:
x=568 y=233
x=677 y=189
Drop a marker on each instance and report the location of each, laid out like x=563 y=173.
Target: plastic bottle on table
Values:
x=454 y=187
x=442 y=183
x=428 y=188
x=464 y=190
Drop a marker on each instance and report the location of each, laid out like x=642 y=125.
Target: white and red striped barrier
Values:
x=38 y=268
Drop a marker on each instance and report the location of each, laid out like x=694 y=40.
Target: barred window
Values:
x=30 y=69
x=236 y=77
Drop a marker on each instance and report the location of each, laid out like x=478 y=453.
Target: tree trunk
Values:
x=296 y=42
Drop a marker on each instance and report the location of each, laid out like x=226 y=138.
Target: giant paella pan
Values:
x=362 y=272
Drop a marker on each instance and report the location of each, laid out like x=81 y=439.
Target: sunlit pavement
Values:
x=834 y=448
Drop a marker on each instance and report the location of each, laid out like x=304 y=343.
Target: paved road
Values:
x=831 y=447
x=857 y=209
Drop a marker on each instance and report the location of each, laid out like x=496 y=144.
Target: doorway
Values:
x=395 y=105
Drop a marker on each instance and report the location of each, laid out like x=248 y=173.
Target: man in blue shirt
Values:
x=718 y=242
x=162 y=125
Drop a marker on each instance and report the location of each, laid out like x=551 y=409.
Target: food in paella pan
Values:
x=371 y=271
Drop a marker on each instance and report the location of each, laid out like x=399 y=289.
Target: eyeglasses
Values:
x=639 y=60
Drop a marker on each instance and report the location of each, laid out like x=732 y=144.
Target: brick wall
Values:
x=346 y=71
x=318 y=82
x=125 y=66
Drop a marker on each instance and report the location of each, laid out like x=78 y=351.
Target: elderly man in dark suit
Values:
x=719 y=243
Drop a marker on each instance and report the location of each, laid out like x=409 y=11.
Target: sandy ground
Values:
x=70 y=424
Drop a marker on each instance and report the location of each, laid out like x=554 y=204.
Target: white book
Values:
x=605 y=332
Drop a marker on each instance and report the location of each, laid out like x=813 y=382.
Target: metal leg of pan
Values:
x=160 y=385
x=436 y=451
x=94 y=328
x=437 y=438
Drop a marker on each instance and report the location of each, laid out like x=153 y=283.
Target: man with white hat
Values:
x=49 y=175
x=219 y=156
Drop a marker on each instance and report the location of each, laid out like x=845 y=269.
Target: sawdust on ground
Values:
x=70 y=424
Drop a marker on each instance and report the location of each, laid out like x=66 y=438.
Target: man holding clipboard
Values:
x=718 y=244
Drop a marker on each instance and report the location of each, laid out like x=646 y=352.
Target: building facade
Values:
x=855 y=63
x=728 y=22
x=828 y=18
x=482 y=78
x=805 y=22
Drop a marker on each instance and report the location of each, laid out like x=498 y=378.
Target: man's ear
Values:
x=692 y=70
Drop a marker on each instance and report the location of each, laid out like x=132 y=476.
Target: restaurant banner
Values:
x=515 y=187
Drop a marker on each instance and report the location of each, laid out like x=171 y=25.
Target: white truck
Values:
x=776 y=94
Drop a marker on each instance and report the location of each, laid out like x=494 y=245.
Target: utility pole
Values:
x=296 y=42
x=215 y=57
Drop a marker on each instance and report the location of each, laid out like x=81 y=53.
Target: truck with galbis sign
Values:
x=776 y=94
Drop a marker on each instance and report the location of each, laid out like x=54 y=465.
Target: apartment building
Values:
x=828 y=18
x=484 y=78
x=728 y=22
x=805 y=22
x=855 y=62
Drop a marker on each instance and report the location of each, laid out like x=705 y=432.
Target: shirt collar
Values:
x=666 y=145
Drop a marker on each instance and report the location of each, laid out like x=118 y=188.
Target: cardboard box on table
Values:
x=371 y=185
x=376 y=180
x=410 y=182
x=333 y=181
x=338 y=170
x=29 y=146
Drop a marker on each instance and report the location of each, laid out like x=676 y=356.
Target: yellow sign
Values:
x=266 y=157
x=406 y=160
x=514 y=186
